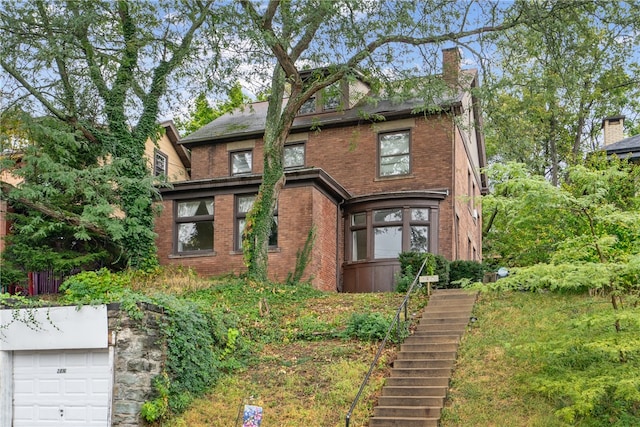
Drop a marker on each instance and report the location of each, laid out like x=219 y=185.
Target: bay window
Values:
x=384 y=233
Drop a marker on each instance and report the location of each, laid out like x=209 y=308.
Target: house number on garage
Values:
x=62 y=370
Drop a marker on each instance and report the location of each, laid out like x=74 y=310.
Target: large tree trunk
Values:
x=260 y=218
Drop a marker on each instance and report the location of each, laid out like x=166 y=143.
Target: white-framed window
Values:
x=194 y=226
x=394 y=153
x=160 y=163
x=241 y=162
x=294 y=155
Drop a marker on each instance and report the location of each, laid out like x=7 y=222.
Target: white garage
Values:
x=56 y=368
x=61 y=388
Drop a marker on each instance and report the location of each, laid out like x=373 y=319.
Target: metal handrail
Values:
x=396 y=320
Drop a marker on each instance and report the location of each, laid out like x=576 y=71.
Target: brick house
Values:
x=370 y=188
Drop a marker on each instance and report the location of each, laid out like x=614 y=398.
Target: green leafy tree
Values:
x=203 y=113
x=556 y=80
x=96 y=72
x=593 y=218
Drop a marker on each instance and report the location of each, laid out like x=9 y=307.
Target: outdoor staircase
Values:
x=415 y=392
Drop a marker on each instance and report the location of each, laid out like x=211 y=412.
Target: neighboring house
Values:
x=615 y=144
x=165 y=158
x=370 y=189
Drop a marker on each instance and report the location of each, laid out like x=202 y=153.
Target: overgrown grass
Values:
x=544 y=359
x=303 y=370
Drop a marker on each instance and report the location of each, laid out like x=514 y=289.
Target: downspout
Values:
x=454 y=250
x=339 y=229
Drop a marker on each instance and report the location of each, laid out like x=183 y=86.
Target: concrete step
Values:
x=428 y=347
x=447 y=308
x=430 y=391
x=403 y=422
x=423 y=364
x=411 y=401
x=426 y=355
x=407 y=411
x=442 y=329
x=416 y=381
x=465 y=314
x=432 y=339
x=438 y=331
x=421 y=372
x=464 y=320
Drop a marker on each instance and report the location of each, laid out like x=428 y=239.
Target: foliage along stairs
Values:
x=415 y=392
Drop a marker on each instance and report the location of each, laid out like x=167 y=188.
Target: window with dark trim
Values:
x=241 y=162
x=394 y=153
x=160 y=163
x=309 y=106
x=294 y=155
x=244 y=203
x=194 y=226
x=384 y=233
x=330 y=98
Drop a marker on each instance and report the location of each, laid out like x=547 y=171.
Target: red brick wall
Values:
x=298 y=209
x=465 y=203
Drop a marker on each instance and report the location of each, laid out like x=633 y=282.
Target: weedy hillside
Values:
x=532 y=358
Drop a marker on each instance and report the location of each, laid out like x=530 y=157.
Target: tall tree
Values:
x=98 y=71
x=203 y=113
x=393 y=41
x=556 y=80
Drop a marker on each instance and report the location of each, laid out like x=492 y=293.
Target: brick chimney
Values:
x=613 y=128
x=451 y=59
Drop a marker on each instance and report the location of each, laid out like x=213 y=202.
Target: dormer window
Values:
x=309 y=106
x=328 y=99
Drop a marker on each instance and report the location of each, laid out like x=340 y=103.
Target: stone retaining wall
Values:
x=139 y=356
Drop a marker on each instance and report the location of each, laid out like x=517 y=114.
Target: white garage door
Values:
x=61 y=388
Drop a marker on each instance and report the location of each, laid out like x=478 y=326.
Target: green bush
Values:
x=410 y=263
x=369 y=327
x=442 y=271
x=471 y=270
x=10 y=275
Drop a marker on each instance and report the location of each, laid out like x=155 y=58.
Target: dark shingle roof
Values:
x=249 y=120
x=628 y=148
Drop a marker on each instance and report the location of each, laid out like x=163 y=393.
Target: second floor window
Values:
x=394 y=153
x=160 y=163
x=241 y=162
x=294 y=155
x=194 y=226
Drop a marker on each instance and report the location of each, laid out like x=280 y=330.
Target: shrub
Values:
x=410 y=263
x=471 y=270
x=442 y=271
x=367 y=326
x=89 y=286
